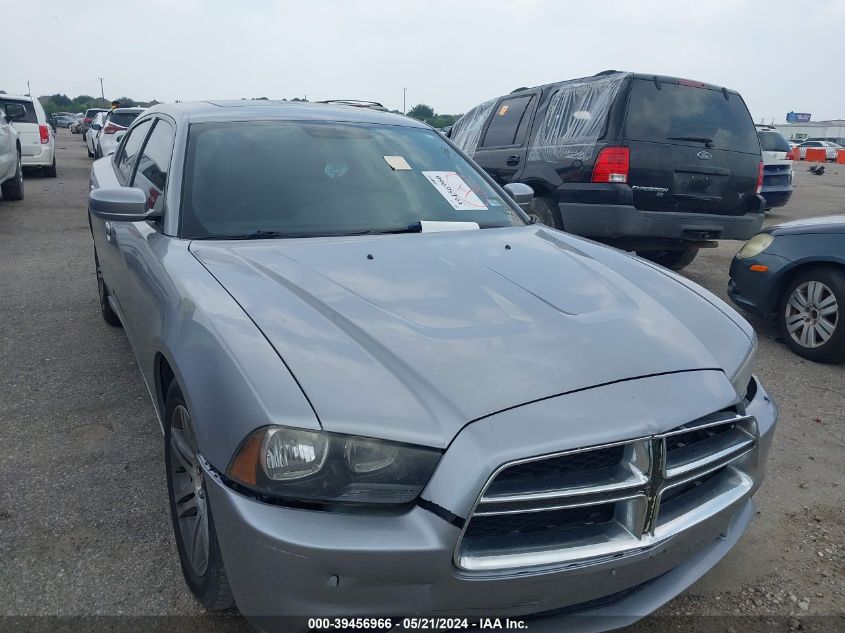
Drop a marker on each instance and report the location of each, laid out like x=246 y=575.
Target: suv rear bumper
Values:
x=620 y=221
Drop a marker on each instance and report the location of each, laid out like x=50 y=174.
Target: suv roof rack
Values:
x=358 y=103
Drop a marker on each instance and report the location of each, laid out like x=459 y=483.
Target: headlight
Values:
x=317 y=467
x=755 y=245
x=742 y=376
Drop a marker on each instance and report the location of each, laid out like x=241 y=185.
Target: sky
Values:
x=780 y=55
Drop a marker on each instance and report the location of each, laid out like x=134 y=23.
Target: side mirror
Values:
x=521 y=193
x=121 y=204
x=15 y=111
x=96 y=126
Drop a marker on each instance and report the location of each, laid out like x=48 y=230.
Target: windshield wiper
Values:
x=254 y=235
x=708 y=142
x=416 y=227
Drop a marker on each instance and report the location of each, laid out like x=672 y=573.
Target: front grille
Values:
x=588 y=504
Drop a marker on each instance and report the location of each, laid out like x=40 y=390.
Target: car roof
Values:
x=16 y=97
x=128 y=110
x=649 y=77
x=244 y=110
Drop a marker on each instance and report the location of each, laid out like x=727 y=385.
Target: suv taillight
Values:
x=760 y=177
x=44 y=131
x=612 y=165
x=111 y=128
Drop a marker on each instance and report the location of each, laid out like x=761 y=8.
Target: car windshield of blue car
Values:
x=258 y=179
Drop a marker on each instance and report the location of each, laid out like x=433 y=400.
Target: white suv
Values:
x=11 y=174
x=38 y=144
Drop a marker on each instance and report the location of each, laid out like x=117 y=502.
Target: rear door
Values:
x=501 y=151
x=26 y=127
x=692 y=149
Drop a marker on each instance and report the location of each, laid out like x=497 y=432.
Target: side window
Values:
x=151 y=174
x=506 y=119
x=129 y=152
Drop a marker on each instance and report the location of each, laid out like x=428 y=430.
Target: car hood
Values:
x=411 y=337
x=822 y=224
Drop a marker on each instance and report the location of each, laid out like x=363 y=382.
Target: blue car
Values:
x=795 y=273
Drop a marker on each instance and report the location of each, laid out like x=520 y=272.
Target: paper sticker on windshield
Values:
x=397 y=163
x=455 y=190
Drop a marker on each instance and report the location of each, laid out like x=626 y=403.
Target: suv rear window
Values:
x=773 y=142
x=123 y=119
x=675 y=112
x=31 y=116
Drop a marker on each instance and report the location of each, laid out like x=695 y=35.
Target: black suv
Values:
x=655 y=164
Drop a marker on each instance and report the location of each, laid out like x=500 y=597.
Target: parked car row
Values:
x=462 y=432
x=372 y=249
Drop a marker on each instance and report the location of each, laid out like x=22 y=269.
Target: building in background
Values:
x=833 y=130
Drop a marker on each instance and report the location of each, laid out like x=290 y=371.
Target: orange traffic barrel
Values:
x=840 y=156
x=815 y=155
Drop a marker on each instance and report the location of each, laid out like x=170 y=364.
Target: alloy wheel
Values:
x=189 y=492
x=811 y=314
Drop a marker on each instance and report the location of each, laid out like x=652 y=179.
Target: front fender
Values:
x=232 y=378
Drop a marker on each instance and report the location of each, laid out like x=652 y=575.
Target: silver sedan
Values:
x=382 y=389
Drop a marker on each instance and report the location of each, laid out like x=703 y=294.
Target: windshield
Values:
x=772 y=142
x=300 y=179
x=689 y=115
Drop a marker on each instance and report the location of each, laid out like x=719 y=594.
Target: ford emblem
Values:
x=703 y=155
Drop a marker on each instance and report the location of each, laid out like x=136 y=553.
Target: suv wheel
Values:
x=811 y=315
x=50 y=171
x=190 y=508
x=544 y=211
x=676 y=260
x=13 y=188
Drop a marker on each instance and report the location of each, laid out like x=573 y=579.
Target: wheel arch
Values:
x=786 y=275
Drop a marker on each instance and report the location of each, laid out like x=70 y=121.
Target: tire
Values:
x=50 y=171
x=109 y=315
x=13 y=188
x=545 y=211
x=675 y=260
x=811 y=314
x=190 y=509
x=88 y=149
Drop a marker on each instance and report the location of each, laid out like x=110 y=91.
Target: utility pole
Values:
x=102 y=93
x=28 y=89
x=404 y=93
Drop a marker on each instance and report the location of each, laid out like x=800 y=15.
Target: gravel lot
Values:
x=84 y=523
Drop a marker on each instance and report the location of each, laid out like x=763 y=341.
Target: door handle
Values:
x=109 y=230
x=512 y=160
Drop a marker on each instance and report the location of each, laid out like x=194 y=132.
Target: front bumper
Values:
x=283 y=561
x=755 y=291
x=626 y=221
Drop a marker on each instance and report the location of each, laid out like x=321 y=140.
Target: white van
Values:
x=38 y=143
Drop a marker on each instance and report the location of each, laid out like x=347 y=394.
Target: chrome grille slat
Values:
x=538 y=515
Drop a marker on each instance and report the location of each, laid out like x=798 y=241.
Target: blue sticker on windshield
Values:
x=336 y=170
